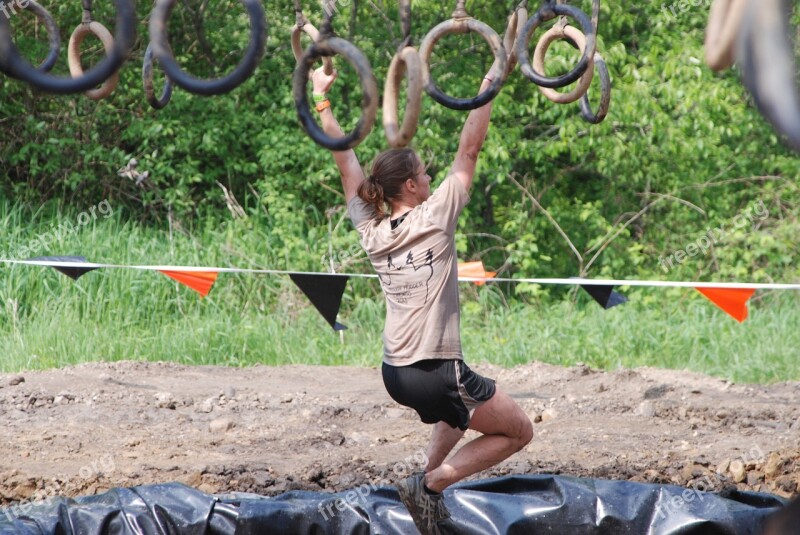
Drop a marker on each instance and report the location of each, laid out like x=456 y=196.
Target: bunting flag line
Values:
x=605 y=296
x=733 y=301
x=73 y=273
x=549 y=281
x=325 y=293
x=199 y=281
x=731 y=297
x=474 y=270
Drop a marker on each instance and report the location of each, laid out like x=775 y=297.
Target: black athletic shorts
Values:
x=439 y=390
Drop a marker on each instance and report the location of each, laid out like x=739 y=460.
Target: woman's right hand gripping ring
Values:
x=369 y=101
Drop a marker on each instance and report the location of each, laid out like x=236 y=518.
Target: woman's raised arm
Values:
x=346 y=161
x=472 y=137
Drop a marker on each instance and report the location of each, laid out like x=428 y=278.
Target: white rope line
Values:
x=548 y=281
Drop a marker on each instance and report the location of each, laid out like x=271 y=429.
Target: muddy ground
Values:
x=85 y=429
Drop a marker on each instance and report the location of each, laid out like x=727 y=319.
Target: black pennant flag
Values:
x=325 y=293
x=73 y=273
x=605 y=296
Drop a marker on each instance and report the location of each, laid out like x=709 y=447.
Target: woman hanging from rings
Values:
x=412 y=248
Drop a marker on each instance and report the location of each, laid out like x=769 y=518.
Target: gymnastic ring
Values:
x=216 y=86
x=147 y=80
x=17 y=66
x=53 y=34
x=406 y=61
x=369 y=100
x=605 y=96
x=462 y=25
x=515 y=25
x=74 y=56
x=543 y=14
x=724 y=24
x=297 y=47
x=577 y=37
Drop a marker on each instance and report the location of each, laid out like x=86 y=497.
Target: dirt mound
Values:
x=264 y=430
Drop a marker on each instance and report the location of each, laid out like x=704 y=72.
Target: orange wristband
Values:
x=322 y=105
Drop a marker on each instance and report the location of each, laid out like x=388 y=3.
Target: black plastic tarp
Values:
x=510 y=505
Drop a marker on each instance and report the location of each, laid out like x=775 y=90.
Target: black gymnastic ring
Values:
x=462 y=26
x=328 y=47
x=12 y=62
x=605 y=96
x=543 y=14
x=147 y=79
x=216 y=86
x=53 y=35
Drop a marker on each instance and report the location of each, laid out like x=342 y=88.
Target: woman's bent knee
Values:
x=526 y=434
x=523 y=430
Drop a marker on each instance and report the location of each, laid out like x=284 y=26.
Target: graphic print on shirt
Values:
x=402 y=293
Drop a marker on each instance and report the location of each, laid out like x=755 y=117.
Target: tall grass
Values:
x=47 y=320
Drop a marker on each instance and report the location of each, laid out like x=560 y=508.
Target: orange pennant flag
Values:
x=732 y=301
x=199 y=281
x=474 y=270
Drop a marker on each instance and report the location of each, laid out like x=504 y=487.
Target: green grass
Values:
x=688 y=333
x=47 y=320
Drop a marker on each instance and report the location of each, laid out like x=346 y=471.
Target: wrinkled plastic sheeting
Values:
x=156 y=509
x=511 y=505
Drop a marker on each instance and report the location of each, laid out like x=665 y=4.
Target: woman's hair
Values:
x=390 y=170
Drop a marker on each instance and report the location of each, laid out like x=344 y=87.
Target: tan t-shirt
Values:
x=418 y=270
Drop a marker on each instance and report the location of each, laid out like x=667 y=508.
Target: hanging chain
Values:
x=87 y=11
x=562 y=21
x=329 y=7
x=460 y=11
x=298 y=13
x=405 y=22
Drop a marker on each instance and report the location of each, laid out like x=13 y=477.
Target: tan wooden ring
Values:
x=297 y=47
x=724 y=24
x=519 y=18
x=74 y=57
x=404 y=62
x=553 y=34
